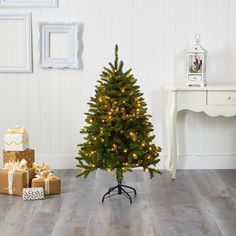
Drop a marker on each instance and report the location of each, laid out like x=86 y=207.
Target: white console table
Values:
x=214 y=100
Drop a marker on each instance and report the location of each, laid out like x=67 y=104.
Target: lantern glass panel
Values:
x=195 y=63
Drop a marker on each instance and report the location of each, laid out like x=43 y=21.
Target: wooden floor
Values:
x=196 y=203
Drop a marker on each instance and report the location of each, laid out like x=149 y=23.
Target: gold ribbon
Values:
x=47 y=187
x=16 y=165
x=13 y=166
x=17 y=130
x=46 y=175
x=10 y=182
x=24 y=141
x=40 y=167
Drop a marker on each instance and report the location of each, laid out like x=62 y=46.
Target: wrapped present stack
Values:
x=16 y=146
x=20 y=174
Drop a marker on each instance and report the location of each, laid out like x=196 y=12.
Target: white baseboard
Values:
x=184 y=161
x=207 y=162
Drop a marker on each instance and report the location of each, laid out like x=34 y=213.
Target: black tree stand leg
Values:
x=120 y=190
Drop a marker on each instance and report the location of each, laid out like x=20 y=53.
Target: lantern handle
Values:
x=197 y=38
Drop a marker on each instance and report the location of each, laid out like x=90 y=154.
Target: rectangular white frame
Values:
x=72 y=29
x=29 y=3
x=28 y=43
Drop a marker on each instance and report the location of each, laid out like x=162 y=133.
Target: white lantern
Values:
x=196 y=64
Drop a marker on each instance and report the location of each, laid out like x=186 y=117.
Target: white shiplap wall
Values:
x=153 y=37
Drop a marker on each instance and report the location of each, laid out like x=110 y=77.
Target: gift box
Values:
x=16 y=139
x=48 y=181
x=12 y=182
x=33 y=194
x=28 y=155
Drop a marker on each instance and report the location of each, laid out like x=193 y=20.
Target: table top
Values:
x=215 y=87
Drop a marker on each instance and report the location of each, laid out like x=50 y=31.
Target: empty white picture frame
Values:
x=15 y=43
x=59 y=45
x=29 y=3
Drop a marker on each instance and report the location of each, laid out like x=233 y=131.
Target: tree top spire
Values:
x=116 y=50
x=116 y=56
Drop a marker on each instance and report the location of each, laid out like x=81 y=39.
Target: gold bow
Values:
x=16 y=165
x=16 y=130
x=40 y=167
x=46 y=175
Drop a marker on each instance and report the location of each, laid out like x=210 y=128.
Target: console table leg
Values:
x=171 y=117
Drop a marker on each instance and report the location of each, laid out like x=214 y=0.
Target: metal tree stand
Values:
x=121 y=190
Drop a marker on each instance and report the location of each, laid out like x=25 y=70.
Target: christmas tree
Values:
x=118 y=131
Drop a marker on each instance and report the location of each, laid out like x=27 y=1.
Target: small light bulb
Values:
x=134 y=155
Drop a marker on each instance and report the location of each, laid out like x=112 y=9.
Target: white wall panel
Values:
x=153 y=37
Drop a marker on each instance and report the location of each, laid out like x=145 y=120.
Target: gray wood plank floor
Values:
x=198 y=202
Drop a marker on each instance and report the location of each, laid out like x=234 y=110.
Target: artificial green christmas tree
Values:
x=118 y=135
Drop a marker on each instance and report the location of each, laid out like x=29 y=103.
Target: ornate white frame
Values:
x=28 y=42
x=72 y=29
x=29 y=3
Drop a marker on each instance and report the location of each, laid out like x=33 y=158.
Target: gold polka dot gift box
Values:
x=28 y=155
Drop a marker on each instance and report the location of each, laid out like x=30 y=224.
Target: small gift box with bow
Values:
x=28 y=155
x=14 y=177
x=48 y=181
x=16 y=139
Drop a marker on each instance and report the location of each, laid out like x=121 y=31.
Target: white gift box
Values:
x=16 y=142
x=33 y=194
